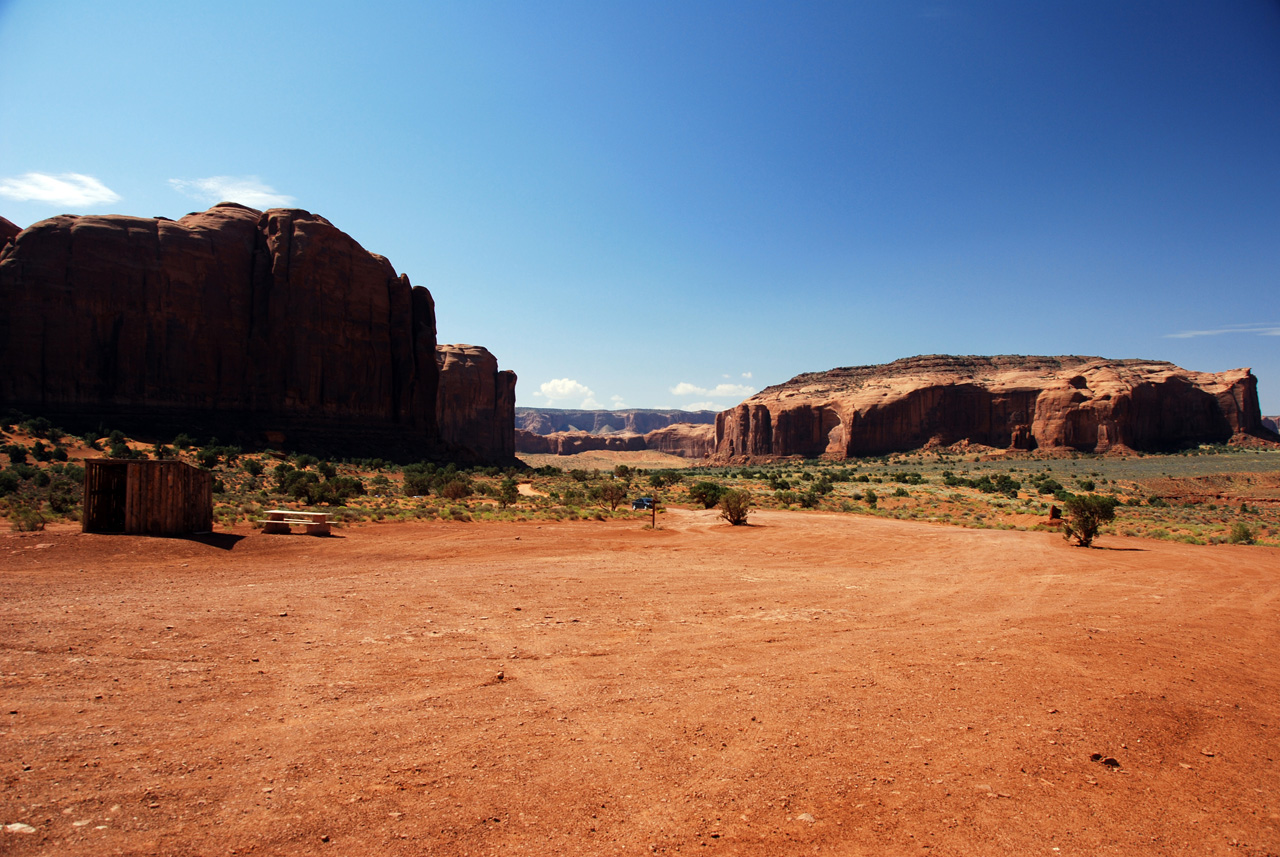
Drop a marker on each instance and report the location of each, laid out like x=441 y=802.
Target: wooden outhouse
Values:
x=146 y=498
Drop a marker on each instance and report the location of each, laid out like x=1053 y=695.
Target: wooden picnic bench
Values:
x=283 y=520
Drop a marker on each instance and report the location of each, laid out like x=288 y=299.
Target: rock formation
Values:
x=683 y=439
x=633 y=420
x=573 y=442
x=472 y=391
x=1088 y=404
x=8 y=231
x=250 y=325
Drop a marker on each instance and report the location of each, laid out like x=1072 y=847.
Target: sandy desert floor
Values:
x=809 y=684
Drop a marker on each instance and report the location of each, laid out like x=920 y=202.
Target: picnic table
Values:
x=283 y=521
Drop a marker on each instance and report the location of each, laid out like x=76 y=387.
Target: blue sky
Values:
x=654 y=204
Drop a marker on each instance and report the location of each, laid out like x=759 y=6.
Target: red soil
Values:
x=812 y=683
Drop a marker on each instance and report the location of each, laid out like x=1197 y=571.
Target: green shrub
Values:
x=870 y=498
x=1241 y=534
x=707 y=493
x=456 y=489
x=735 y=505
x=1085 y=515
x=25 y=519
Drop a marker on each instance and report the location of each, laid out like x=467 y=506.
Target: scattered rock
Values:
x=804 y=816
x=19 y=827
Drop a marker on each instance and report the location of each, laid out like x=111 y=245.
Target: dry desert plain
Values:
x=811 y=683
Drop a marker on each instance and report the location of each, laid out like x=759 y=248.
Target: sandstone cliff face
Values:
x=573 y=442
x=1083 y=403
x=475 y=408
x=683 y=439
x=687 y=441
x=633 y=420
x=8 y=231
x=231 y=321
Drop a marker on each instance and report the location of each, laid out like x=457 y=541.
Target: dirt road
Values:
x=809 y=684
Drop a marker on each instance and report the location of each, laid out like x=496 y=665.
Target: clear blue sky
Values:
x=637 y=203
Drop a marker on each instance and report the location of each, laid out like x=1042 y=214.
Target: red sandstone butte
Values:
x=249 y=325
x=1088 y=404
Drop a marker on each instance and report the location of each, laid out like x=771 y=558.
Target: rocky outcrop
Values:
x=1088 y=404
x=687 y=441
x=1271 y=424
x=633 y=420
x=574 y=442
x=475 y=407
x=683 y=439
x=256 y=326
x=8 y=231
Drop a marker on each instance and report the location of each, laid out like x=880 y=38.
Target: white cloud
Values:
x=617 y=401
x=562 y=389
x=741 y=391
x=74 y=190
x=246 y=190
x=1255 y=329
x=746 y=375
x=702 y=406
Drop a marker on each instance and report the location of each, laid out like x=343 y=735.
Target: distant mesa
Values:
x=1271 y=424
x=1050 y=404
x=553 y=431
x=633 y=420
x=258 y=327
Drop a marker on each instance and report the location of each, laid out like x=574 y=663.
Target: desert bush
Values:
x=870 y=498
x=509 y=492
x=734 y=506
x=25 y=519
x=1085 y=515
x=17 y=453
x=1241 y=534
x=707 y=493
x=609 y=494
x=253 y=466
x=456 y=489
x=64 y=495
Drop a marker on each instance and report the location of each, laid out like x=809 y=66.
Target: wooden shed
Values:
x=146 y=498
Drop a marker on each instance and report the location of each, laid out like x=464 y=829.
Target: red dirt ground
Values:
x=810 y=684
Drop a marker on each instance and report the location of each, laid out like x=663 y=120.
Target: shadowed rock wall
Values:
x=260 y=326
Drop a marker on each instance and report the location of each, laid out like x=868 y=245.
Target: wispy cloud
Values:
x=618 y=402
x=246 y=190
x=1254 y=329
x=684 y=388
x=74 y=190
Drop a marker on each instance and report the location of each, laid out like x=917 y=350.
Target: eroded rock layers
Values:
x=261 y=326
x=1088 y=404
